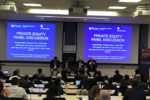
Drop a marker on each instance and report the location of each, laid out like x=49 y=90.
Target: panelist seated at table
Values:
x=54 y=65
x=91 y=66
x=80 y=65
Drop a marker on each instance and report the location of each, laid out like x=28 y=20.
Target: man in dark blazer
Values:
x=54 y=65
x=80 y=66
x=91 y=66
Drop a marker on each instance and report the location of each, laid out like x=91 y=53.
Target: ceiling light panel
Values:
x=49 y=11
x=102 y=13
x=129 y=1
x=32 y=4
x=117 y=7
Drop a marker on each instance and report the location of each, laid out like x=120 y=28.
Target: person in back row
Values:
x=39 y=74
x=16 y=91
x=91 y=66
x=117 y=77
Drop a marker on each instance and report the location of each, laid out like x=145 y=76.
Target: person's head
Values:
x=99 y=73
x=15 y=81
x=16 y=72
x=80 y=58
x=91 y=58
x=55 y=58
x=134 y=83
x=110 y=80
x=106 y=77
x=104 y=95
x=137 y=77
x=137 y=71
x=40 y=70
x=116 y=71
x=126 y=77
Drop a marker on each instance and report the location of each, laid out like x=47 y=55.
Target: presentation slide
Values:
x=30 y=41
x=108 y=43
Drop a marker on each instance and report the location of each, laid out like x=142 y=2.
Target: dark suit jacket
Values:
x=91 y=66
x=135 y=94
x=117 y=78
x=78 y=62
x=53 y=62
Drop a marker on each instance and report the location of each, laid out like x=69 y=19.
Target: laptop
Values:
x=6 y=72
x=77 y=82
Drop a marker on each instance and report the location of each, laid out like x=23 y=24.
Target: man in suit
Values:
x=80 y=66
x=91 y=66
x=54 y=65
x=135 y=93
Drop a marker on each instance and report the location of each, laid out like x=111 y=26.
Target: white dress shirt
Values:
x=18 y=92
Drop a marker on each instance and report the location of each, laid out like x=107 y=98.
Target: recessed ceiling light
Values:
x=129 y=1
x=117 y=7
x=102 y=13
x=32 y=4
x=49 y=11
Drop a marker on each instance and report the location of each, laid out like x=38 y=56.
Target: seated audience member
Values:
x=80 y=66
x=52 y=92
x=3 y=92
x=135 y=93
x=94 y=91
x=142 y=83
x=127 y=80
x=109 y=85
x=91 y=66
x=99 y=77
x=137 y=73
x=40 y=74
x=117 y=77
x=23 y=84
x=16 y=91
x=104 y=95
x=123 y=87
x=54 y=65
x=16 y=73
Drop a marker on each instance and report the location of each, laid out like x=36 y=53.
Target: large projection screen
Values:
x=30 y=41
x=108 y=43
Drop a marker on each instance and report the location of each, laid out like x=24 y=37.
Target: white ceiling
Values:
x=126 y=15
